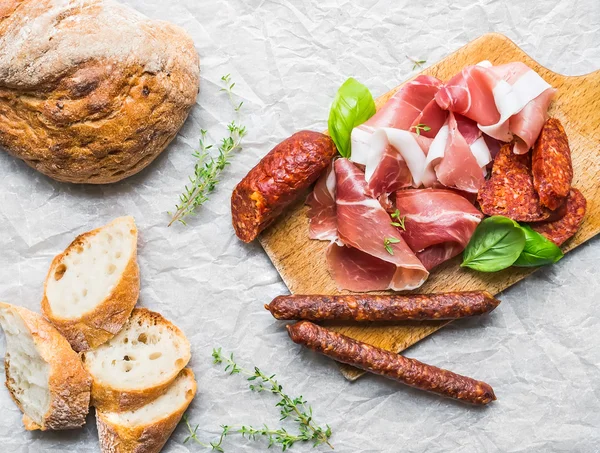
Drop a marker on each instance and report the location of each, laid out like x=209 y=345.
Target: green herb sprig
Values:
x=399 y=222
x=294 y=408
x=387 y=244
x=420 y=127
x=417 y=64
x=208 y=168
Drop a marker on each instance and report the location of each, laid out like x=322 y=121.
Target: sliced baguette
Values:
x=44 y=376
x=147 y=429
x=94 y=284
x=138 y=364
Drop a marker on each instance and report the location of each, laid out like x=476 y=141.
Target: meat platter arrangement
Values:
x=470 y=166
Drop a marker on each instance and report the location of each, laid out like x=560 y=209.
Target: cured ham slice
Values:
x=409 y=106
x=507 y=101
x=527 y=124
x=458 y=156
x=470 y=93
x=364 y=225
x=396 y=160
x=321 y=214
x=439 y=223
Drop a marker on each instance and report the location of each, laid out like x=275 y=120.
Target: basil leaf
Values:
x=538 y=250
x=352 y=106
x=496 y=244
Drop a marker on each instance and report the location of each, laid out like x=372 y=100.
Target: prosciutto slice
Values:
x=364 y=225
x=396 y=160
x=507 y=101
x=321 y=214
x=411 y=105
x=458 y=156
x=439 y=223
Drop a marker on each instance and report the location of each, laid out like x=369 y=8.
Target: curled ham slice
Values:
x=439 y=223
x=396 y=160
x=321 y=214
x=457 y=156
x=364 y=225
x=495 y=96
x=412 y=104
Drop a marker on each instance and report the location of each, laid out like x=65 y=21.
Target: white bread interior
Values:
x=90 y=270
x=27 y=371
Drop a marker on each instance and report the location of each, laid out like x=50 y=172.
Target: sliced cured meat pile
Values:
x=537 y=188
x=402 y=204
x=438 y=222
x=365 y=227
x=510 y=192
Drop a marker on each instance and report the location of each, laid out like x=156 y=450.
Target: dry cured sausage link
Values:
x=551 y=165
x=365 y=307
x=394 y=366
x=278 y=180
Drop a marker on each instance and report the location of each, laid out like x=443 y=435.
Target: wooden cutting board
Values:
x=301 y=261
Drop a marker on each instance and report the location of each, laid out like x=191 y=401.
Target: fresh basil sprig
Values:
x=496 y=244
x=499 y=242
x=538 y=250
x=352 y=106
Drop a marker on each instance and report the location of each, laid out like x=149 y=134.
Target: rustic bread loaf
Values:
x=91 y=91
x=148 y=428
x=138 y=364
x=92 y=287
x=44 y=375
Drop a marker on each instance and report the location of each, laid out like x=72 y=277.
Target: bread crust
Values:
x=69 y=382
x=149 y=438
x=99 y=325
x=95 y=94
x=110 y=399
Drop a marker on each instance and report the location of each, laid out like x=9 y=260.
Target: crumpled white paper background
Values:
x=539 y=349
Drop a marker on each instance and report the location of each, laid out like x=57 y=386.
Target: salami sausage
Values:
x=365 y=307
x=509 y=191
x=551 y=165
x=279 y=179
x=394 y=366
x=562 y=229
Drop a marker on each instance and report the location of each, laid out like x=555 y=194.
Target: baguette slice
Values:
x=94 y=284
x=147 y=429
x=44 y=376
x=138 y=364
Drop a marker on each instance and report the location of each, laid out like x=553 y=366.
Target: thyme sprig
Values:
x=208 y=168
x=387 y=243
x=417 y=64
x=228 y=88
x=295 y=408
x=420 y=127
x=399 y=222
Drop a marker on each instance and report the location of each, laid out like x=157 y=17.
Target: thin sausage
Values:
x=279 y=178
x=365 y=307
x=394 y=366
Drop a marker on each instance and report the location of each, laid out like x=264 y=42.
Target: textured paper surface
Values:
x=539 y=350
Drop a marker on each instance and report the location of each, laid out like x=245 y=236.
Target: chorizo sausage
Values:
x=509 y=191
x=558 y=231
x=551 y=165
x=278 y=179
x=365 y=307
x=394 y=366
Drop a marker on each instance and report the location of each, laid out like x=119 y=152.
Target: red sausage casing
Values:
x=279 y=179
